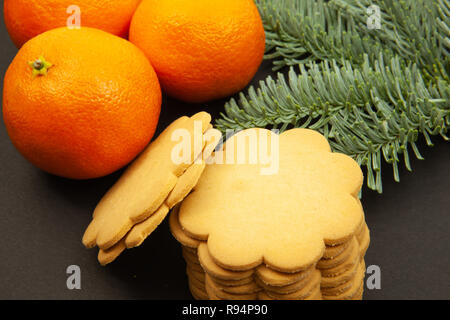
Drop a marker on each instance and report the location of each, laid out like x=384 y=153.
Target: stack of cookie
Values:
x=297 y=234
x=343 y=267
x=156 y=181
x=337 y=276
x=194 y=271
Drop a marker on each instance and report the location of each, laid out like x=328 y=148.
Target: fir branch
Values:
x=300 y=31
x=370 y=113
x=443 y=22
x=416 y=30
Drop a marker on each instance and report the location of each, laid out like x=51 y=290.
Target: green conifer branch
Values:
x=371 y=112
x=368 y=110
x=416 y=30
x=300 y=31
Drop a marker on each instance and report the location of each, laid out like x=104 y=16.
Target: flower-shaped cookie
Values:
x=283 y=219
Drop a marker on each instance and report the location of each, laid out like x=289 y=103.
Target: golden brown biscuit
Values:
x=332 y=291
x=263 y=296
x=293 y=287
x=315 y=295
x=143 y=229
x=198 y=293
x=217 y=271
x=351 y=261
x=200 y=276
x=224 y=295
x=305 y=291
x=364 y=242
x=178 y=232
x=145 y=185
x=195 y=281
x=140 y=231
x=233 y=206
x=184 y=185
x=276 y=278
x=333 y=251
x=247 y=288
x=190 y=257
x=210 y=293
x=359 y=294
x=232 y=283
x=339 y=259
x=354 y=290
x=190 y=250
x=105 y=257
x=331 y=282
x=195 y=267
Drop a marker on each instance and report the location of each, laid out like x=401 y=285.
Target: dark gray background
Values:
x=43 y=217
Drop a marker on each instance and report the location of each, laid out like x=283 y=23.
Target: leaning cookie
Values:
x=146 y=183
x=109 y=255
x=186 y=182
x=139 y=232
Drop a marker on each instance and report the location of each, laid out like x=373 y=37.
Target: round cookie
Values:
x=194 y=267
x=276 y=278
x=290 y=288
x=243 y=225
x=178 y=233
x=198 y=293
x=307 y=290
x=227 y=296
x=315 y=295
x=333 y=262
x=359 y=232
x=333 y=251
x=331 y=291
x=200 y=276
x=190 y=250
x=263 y=296
x=232 y=283
x=364 y=242
x=210 y=293
x=354 y=290
x=190 y=257
x=353 y=259
x=242 y=290
x=217 y=271
x=359 y=294
x=247 y=288
x=195 y=281
x=331 y=282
